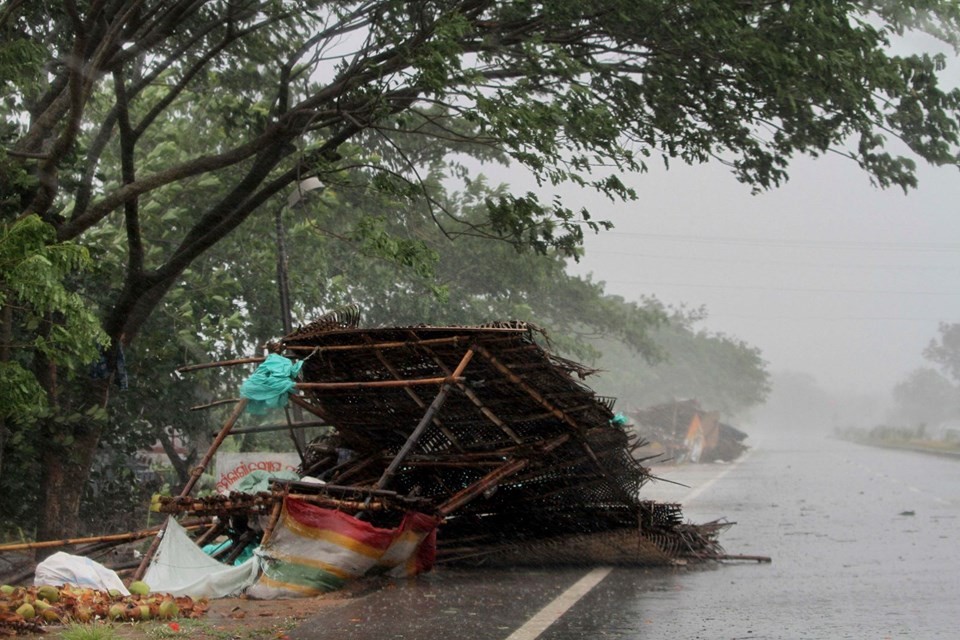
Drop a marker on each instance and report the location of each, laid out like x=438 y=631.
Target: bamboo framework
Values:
x=513 y=450
x=481 y=425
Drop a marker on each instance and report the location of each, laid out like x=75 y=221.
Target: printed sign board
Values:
x=231 y=468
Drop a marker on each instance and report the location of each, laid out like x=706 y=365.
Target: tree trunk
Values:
x=69 y=443
x=180 y=465
x=66 y=470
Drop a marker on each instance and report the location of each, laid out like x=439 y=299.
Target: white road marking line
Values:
x=536 y=625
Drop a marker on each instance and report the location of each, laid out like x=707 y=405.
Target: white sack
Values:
x=62 y=568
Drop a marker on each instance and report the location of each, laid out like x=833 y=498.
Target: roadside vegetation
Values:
x=926 y=403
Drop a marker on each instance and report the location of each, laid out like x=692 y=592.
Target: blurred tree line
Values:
x=929 y=396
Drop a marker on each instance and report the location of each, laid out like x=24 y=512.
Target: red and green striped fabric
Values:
x=314 y=550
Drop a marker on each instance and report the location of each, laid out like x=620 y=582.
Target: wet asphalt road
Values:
x=864 y=544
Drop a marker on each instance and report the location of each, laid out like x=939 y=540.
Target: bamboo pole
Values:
x=211 y=405
x=416 y=342
x=373 y=384
x=317 y=411
x=239 y=545
x=334 y=503
x=194 y=477
x=68 y=542
x=336 y=488
x=222 y=363
x=760 y=559
x=272 y=523
x=212 y=533
x=399 y=344
x=414 y=396
x=426 y=420
x=279 y=427
x=224 y=432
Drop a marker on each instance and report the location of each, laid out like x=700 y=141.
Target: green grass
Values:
x=89 y=632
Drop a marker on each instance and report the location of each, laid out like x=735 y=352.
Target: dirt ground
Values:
x=228 y=619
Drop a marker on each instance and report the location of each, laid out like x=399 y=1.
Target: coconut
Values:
x=83 y=614
x=40 y=605
x=168 y=609
x=50 y=615
x=117 y=612
x=139 y=588
x=48 y=593
x=26 y=611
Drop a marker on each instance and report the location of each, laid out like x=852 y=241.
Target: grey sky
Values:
x=827 y=275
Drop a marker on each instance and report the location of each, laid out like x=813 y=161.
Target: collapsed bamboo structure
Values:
x=681 y=431
x=479 y=425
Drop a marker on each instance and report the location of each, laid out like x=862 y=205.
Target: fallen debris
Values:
x=446 y=444
x=681 y=431
x=480 y=426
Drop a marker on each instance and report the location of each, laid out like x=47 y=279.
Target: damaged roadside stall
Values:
x=450 y=445
x=442 y=445
x=680 y=431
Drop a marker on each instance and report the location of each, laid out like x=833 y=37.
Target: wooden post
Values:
x=194 y=477
x=487 y=413
x=424 y=421
x=274 y=519
x=224 y=432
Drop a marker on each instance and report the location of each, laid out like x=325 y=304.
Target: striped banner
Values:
x=314 y=550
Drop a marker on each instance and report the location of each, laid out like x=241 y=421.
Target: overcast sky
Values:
x=827 y=275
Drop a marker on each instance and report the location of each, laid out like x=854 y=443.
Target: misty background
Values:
x=828 y=275
x=839 y=283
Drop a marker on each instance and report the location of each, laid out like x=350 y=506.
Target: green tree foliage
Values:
x=41 y=320
x=721 y=372
x=574 y=91
x=925 y=397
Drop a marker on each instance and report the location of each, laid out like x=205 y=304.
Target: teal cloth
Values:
x=246 y=554
x=269 y=385
x=257 y=481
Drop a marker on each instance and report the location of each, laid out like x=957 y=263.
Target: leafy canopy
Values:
x=575 y=91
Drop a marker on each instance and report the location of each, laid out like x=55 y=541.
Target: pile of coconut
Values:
x=29 y=608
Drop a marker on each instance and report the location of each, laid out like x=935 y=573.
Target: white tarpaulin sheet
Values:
x=181 y=568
